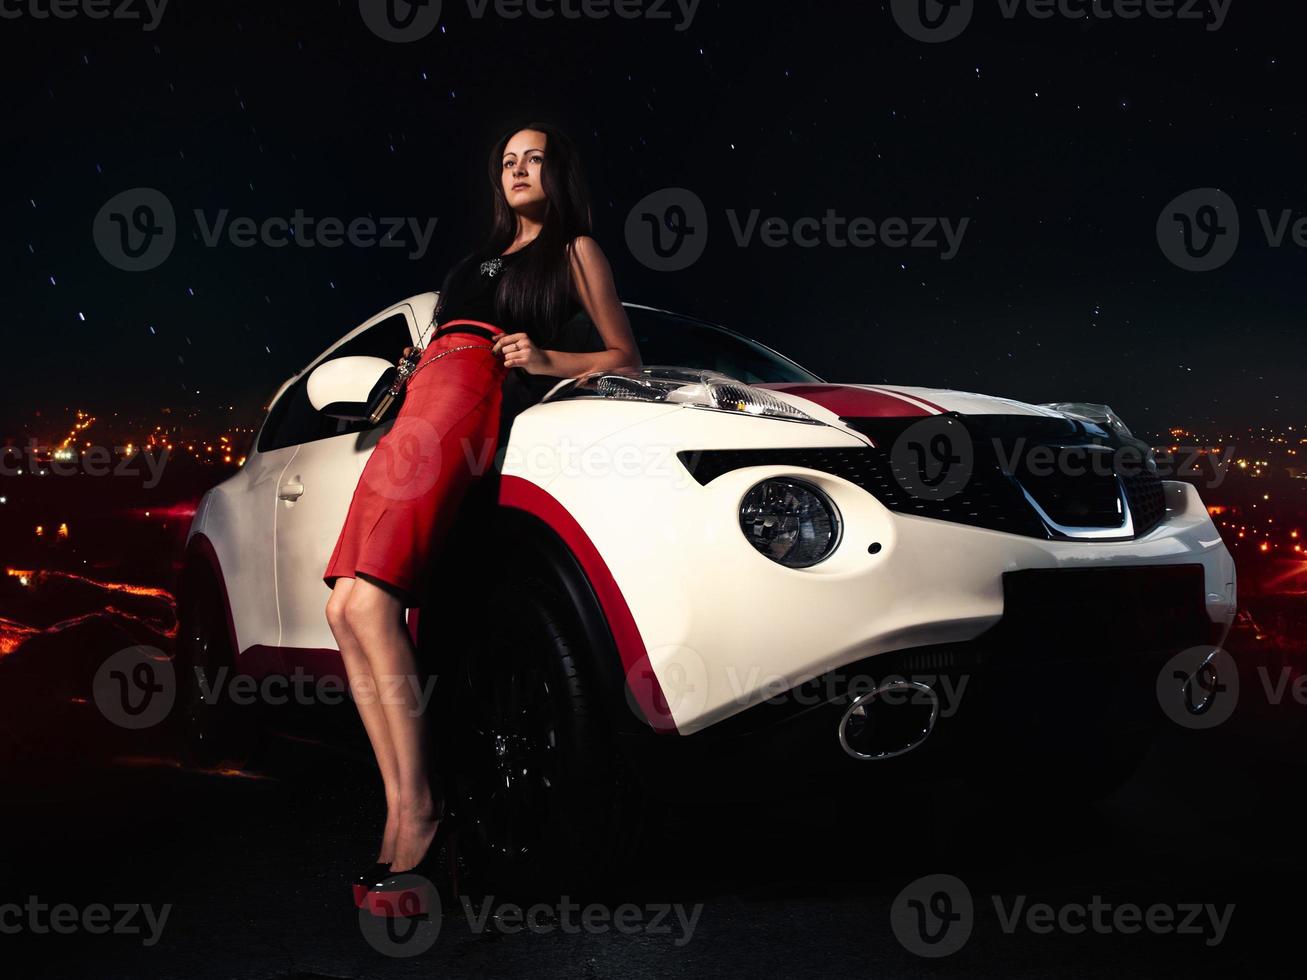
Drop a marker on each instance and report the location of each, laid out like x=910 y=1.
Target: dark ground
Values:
x=255 y=863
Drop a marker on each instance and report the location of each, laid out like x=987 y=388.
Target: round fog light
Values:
x=790 y=521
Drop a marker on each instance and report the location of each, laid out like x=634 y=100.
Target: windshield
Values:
x=668 y=339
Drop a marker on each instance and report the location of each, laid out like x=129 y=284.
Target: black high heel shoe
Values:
x=421 y=888
x=366 y=881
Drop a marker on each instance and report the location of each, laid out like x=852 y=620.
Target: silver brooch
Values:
x=492 y=267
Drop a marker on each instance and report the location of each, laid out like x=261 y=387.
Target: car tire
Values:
x=545 y=800
x=212 y=732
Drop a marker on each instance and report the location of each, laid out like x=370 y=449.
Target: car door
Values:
x=318 y=483
x=240 y=521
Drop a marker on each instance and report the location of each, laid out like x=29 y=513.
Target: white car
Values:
x=720 y=572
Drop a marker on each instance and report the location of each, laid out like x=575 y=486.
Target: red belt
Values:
x=487 y=331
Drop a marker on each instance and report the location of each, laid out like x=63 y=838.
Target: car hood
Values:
x=824 y=400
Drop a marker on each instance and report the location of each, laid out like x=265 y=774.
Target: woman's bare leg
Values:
x=376 y=617
x=364 y=688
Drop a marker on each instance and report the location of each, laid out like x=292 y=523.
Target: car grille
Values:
x=1147 y=499
x=1078 y=500
x=992 y=497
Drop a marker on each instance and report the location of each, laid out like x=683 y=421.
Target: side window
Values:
x=386 y=339
x=669 y=339
x=294 y=420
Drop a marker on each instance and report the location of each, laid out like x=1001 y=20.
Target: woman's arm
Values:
x=593 y=278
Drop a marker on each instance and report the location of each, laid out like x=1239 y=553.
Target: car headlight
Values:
x=1100 y=414
x=1103 y=416
x=790 y=521
x=682 y=386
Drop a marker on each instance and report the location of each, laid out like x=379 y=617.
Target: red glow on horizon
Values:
x=179 y=511
x=13 y=635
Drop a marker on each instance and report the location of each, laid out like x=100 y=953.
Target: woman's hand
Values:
x=519 y=351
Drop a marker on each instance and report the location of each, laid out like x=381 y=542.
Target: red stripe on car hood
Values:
x=853 y=401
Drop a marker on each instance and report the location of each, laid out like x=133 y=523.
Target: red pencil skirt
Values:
x=444 y=437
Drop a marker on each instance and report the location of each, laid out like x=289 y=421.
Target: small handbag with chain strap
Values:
x=388 y=395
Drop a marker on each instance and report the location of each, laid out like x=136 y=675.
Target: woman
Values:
x=538 y=268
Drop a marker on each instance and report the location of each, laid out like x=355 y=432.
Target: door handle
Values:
x=290 y=491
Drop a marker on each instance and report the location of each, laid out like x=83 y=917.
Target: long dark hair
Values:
x=535 y=292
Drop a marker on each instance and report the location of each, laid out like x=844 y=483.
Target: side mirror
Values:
x=342 y=388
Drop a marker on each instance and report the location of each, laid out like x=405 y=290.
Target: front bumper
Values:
x=1068 y=673
x=723 y=629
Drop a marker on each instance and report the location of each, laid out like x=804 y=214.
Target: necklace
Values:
x=493 y=267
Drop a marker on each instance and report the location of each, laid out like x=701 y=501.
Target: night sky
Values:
x=1060 y=140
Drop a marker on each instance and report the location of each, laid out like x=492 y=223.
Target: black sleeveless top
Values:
x=470 y=289
x=469 y=292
